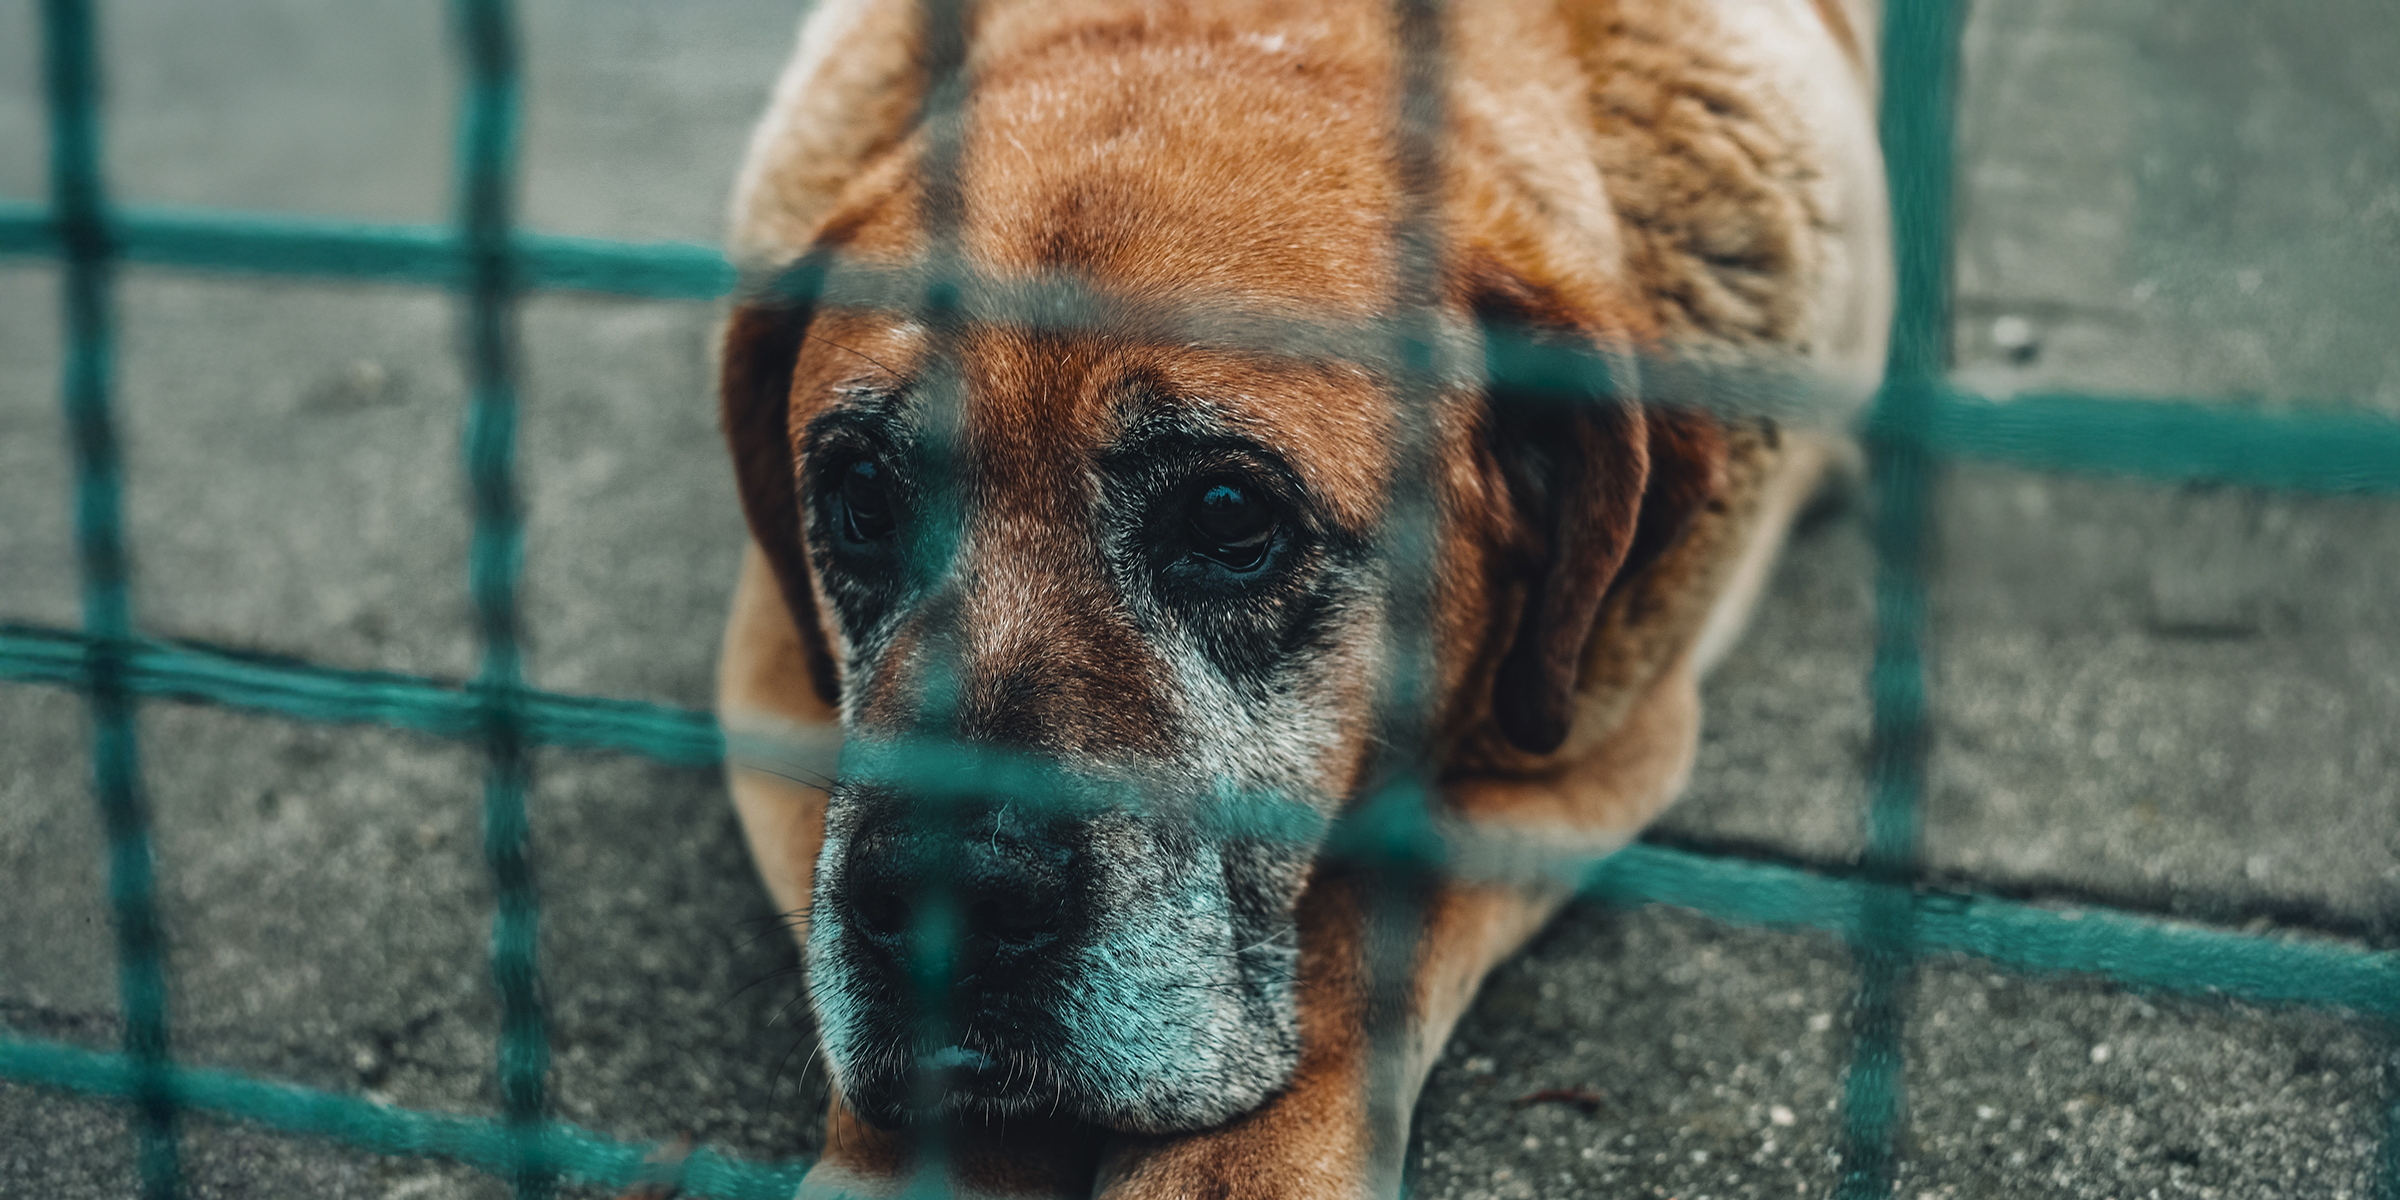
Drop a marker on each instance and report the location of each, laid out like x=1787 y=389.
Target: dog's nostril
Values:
x=993 y=891
x=882 y=911
x=1013 y=917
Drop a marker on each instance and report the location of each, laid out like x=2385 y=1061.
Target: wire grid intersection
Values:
x=1882 y=911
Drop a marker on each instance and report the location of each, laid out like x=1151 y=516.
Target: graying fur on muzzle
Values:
x=1160 y=1001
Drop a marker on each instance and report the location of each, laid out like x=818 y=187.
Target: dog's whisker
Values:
x=808 y=779
x=877 y=364
x=775 y=1077
x=785 y=922
x=777 y=973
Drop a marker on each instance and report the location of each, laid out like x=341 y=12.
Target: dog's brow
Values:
x=1181 y=433
x=861 y=411
x=1154 y=410
x=872 y=400
x=1159 y=420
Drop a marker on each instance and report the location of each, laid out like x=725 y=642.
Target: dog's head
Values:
x=1152 y=563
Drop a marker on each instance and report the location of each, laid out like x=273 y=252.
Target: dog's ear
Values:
x=1602 y=485
x=754 y=388
x=1688 y=457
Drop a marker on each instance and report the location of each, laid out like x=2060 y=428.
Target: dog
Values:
x=1147 y=557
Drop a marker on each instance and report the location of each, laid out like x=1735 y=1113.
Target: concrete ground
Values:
x=2176 y=699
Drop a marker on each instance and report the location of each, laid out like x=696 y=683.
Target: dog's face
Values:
x=1155 y=566
x=1157 y=583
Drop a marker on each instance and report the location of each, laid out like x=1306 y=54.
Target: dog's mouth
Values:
x=1170 y=1039
x=962 y=1082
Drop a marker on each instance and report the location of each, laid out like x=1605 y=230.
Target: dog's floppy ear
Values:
x=754 y=387
x=1603 y=485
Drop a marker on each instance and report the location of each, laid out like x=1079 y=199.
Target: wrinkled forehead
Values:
x=1167 y=179
x=1026 y=406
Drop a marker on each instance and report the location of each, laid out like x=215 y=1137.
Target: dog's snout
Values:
x=1022 y=911
x=998 y=893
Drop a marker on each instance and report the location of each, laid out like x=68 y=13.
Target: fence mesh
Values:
x=1882 y=909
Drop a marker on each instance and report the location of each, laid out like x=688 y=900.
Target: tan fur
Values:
x=1699 y=174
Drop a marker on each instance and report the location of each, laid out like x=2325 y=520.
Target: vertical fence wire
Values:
x=80 y=207
x=938 y=931
x=2386 y=1183
x=487 y=153
x=1919 y=49
x=2387 y=1174
x=1399 y=886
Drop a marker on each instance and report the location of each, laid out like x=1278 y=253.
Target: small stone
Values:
x=2014 y=337
x=1699 y=1156
x=1533 y=1143
x=1985 y=1112
x=1480 y=1065
x=2100 y=1053
x=1820 y=1022
x=362 y=384
x=1779 y=1115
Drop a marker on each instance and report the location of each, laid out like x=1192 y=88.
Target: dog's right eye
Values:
x=1231 y=524
x=867 y=512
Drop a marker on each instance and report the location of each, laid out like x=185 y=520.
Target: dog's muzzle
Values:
x=987 y=959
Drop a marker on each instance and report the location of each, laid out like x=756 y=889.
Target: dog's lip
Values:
x=955 y=1073
x=949 y=1081
x=955 y=1059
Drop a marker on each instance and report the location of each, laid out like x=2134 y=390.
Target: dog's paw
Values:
x=1024 y=1159
x=1250 y=1160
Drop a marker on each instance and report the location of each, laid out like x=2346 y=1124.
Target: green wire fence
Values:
x=1882 y=909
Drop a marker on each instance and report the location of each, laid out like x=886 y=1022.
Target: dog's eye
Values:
x=867 y=513
x=1231 y=523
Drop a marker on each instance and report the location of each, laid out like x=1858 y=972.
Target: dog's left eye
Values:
x=868 y=513
x=1231 y=523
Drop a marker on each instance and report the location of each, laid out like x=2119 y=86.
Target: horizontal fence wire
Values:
x=2142 y=953
x=305 y=691
x=2321 y=448
x=2092 y=939
x=285 y=247
x=579 y=1155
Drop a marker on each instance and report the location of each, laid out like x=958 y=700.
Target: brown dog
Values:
x=1149 y=558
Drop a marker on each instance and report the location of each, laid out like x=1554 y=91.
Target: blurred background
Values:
x=2173 y=699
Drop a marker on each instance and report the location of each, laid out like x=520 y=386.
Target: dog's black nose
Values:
x=1006 y=890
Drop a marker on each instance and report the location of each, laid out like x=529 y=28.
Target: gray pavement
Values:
x=2177 y=699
